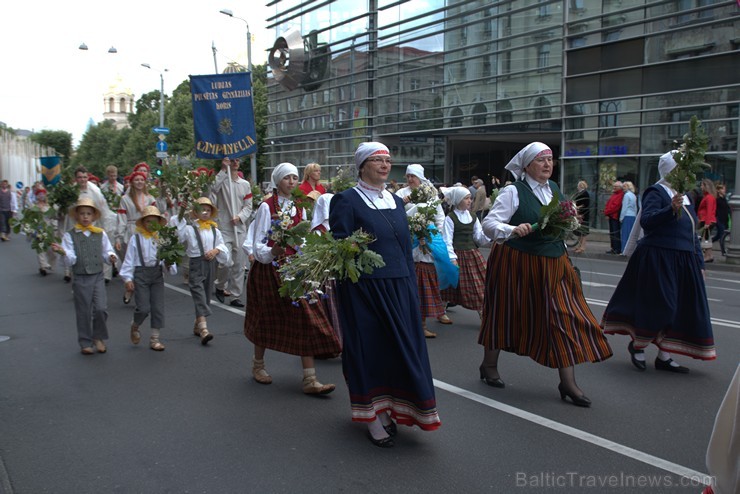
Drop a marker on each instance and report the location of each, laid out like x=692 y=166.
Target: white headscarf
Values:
x=367 y=149
x=453 y=195
x=321 y=211
x=417 y=171
x=280 y=172
x=666 y=164
x=523 y=158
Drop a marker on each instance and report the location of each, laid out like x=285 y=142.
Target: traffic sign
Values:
x=162 y=154
x=161 y=146
x=161 y=130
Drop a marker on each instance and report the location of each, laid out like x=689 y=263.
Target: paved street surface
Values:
x=192 y=420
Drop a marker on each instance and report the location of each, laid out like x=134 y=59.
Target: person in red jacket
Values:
x=611 y=210
x=707 y=214
x=311 y=179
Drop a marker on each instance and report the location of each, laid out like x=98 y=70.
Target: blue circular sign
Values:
x=19 y=185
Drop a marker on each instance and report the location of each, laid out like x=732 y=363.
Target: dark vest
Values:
x=89 y=251
x=462 y=238
x=529 y=212
x=274 y=205
x=5 y=200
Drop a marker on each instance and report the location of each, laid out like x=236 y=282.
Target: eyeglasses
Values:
x=378 y=159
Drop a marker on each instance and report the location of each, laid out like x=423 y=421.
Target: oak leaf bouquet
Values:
x=169 y=248
x=689 y=159
x=38 y=226
x=557 y=219
x=323 y=258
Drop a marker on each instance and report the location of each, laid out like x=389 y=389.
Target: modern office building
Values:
x=461 y=86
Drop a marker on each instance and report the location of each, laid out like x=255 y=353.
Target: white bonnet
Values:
x=523 y=158
x=280 y=172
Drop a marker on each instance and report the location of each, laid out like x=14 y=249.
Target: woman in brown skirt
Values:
x=534 y=304
x=272 y=321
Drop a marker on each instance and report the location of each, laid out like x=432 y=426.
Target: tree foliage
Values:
x=60 y=140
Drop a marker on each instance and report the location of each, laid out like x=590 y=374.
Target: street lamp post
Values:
x=253 y=156
x=161 y=93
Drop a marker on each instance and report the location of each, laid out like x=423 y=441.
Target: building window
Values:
x=479 y=114
x=456 y=117
x=486 y=67
x=608 y=118
x=544 y=9
x=506 y=63
x=542 y=109
x=111 y=105
x=503 y=112
x=463 y=71
x=414 y=84
x=577 y=42
x=433 y=87
x=576 y=5
x=543 y=57
x=415 y=107
x=612 y=35
x=576 y=122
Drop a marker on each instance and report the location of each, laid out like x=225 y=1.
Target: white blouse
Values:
x=148 y=250
x=186 y=234
x=465 y=218
x=495 y=224
x=261 y=224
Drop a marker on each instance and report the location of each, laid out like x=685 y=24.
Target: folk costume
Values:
x=199 y=237
x=86 y=250
x=464 y=234
x=142 y=267
x=661 y=298
x=534 y=304
x=274 y=322
x=129 y=211
x=384 y=359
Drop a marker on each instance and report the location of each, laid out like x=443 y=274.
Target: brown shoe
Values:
x=311 y=386
x=444 y=319
x=205 y=336
x=88 y=350
x=135 y=334
x=155 y=344
x=100 y=346
x=429 y=334
x=259 y=372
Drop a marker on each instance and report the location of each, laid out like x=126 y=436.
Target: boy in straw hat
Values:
x=85 y=249
x=142 y=274
x=203 y=243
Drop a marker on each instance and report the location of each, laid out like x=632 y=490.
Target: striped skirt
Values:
x=470 y=288
x=429 y=297
x=534 y=306
x=277 y=323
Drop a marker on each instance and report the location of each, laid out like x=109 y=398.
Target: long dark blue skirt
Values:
x=385 y=360
x=662 y=299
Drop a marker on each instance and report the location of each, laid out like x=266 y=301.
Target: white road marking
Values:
x=577 y=433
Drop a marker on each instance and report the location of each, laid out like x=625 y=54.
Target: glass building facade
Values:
x=460 y=86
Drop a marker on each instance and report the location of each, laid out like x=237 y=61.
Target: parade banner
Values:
x=51 y=170
x=223 y=115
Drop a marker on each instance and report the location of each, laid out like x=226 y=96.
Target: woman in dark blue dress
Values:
x=384 y=359
x=661 y=297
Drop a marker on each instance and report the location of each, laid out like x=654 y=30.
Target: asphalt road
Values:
x=191 y=419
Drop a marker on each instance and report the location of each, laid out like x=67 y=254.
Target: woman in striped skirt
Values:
x=534 y=305
x=273 y=321
x=463 y=232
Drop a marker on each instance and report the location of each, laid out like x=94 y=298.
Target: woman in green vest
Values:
x=534 y=304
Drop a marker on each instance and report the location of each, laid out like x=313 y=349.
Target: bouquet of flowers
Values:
x=689 y=159
x=169 y=248
x=425 y=193
x=302 y=201
x=113 y=199
x=324 y=258
x=557 y=219
x=186 y=185
x=38 y=226
x=421 y=225
x=63 y=195
x=344 y=179
x=283 y=235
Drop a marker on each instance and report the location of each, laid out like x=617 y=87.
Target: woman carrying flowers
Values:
x=534 y=304
x=384 y=359
x=426 y=218
x=132 y=204
x=297 y=328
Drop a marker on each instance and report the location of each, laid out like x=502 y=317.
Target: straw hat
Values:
x=85 y=201
x=313 y=195
x=204 y=201
x=148 y=212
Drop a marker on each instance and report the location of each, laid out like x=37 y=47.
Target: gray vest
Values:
x=5 y=200
x=89 y=251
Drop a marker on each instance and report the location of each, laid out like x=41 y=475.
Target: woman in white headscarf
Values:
x=534 y=305
x=661 y=297
x=272 y=321
x=384 y=359
x=463 y=233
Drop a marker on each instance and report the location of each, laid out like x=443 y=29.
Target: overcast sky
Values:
x=48 y=83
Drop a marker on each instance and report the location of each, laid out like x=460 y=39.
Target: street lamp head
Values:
x=146 y=65
x=112 y=49
x=227 y=12
x=83 y=46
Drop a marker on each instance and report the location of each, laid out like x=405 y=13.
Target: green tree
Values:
x=60 y=140
x=101 y=145
x=259 y=92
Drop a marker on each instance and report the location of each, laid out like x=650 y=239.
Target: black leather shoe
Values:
x=67 y=279
x=236 y=303
x=386 y=442
x=42 y=271
x=579 y=401
x=666 y=366
x=391 y=429
x=640 y=364
x=495 y=382
x=220 y=295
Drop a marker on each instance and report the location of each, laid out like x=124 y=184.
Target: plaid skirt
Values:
x=534 y=306
x=277 y=323
x=470 y=288
x=431 y=304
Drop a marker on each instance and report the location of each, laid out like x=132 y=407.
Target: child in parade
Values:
x=464 y=234
x=203 y=244
x=142 y=274
x=46 y=259
x=272 y=321
x=85 y=249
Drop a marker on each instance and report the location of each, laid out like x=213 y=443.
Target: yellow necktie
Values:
x=145 y=233
x=91 y=228
x=207 y=224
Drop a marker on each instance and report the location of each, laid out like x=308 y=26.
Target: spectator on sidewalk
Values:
x=612 y=210
x=8 y=208
x=723 y=218
x=628 y=213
